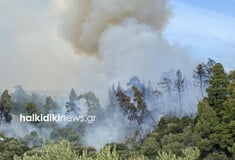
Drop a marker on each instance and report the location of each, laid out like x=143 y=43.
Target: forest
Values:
x=183 y=119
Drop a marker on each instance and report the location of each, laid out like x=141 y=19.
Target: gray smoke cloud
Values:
x=31 y=52
x=113 y=39
x=86 y=20
x=34 y=52
x=116 y=39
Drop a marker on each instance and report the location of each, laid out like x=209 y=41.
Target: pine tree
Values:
x=231 y=76
x=71 y=106
x=49 y=104
x=31 y=109
x=214 y=119
x=227 y=126
x=127 y=107
x=206 y=129
x=209 y=67
x=217 y=90
x=134 y=112
x=179 y=86
x=92 y=103
x=201 y=77
x=112 y=106
x=167 y=83
x=5 y=106
x=73 y=95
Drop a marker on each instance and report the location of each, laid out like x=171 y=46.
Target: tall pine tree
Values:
x=5 y=106
x=217 y=90
x=201 y=77
x=227 y=128
x=73 y=95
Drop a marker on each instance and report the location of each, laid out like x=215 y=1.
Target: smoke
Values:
x=20 y=130
x=32 y=54
x=113 y=39
x=88 y=19
x=36 y=56
x=116 y=39
x=111 y=129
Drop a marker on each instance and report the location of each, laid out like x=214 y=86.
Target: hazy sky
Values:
x=33 y=54
x=205 y=27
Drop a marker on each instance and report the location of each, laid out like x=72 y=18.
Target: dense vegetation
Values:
x=209 y=134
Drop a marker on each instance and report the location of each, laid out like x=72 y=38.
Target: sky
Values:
x=206 y=28
x=33 y=54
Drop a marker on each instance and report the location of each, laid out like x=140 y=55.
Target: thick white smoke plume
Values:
x=88 y=19
x=113 y=39
x=126 y=36
x=117 y=39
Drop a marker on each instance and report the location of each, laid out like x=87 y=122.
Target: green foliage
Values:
x=6 y=101
x=122 y=150
x=20 y=99
x=188 y=154
x=172 y=135
x=63 y=151
x=5 y=106
x=206 y=129
x=73 y=95
x=10 y=147
x=92 y=103
x=216 y=156
x=59 y=151
x=173 y=125
x=150 y=147
x=231 y=76
x=217 y=89
x=210 y=135
x=139 y=98
x=31 y=109
x=227 y=126
x=108 y=154
x=170 y=143
x=67 y=133
x=215 y=118
x=32 y=139
x=49 y=105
